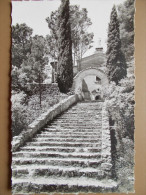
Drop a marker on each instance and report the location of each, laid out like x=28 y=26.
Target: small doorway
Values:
x=97 y=97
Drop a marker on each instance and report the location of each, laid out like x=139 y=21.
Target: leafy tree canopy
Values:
x=21 y=43
x=81 y=38
x=126 y=19
x=33 y=68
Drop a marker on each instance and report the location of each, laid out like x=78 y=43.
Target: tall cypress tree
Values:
x=65 y=63
x=116 y=63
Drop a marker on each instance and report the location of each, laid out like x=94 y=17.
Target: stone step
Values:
x=88 y=109
x=95 y=106
x=56 y=154
x=65 y=144
x=85 y=107
x=85 y=103
x=59 y=171
x=80 y=115
x=68 y=135
x=84 y=162
x=65 y=156
x=69 y=129
x=68 y=125
x=73 y=120
x=79 y=118
x=76 y=120
x=63 y=185
x=54 y=130
x=60 y=149
x=86 y=129
x=83 y=112
x=62 y=142
x=76 y=124
x=60 y=139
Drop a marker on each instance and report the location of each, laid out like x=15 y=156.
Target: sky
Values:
x=34 y=14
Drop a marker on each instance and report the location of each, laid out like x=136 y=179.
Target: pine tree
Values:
x=81 y=39
x=116 y=63
x=65 y=64
x=126 y=13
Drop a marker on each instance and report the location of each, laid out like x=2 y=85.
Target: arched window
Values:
x=98 y=80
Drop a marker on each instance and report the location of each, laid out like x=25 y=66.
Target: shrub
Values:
x=18 y=113
x=120 y=103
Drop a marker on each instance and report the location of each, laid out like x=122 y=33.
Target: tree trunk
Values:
x=40 y=90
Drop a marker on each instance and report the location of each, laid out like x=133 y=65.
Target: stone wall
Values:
x=40 y=122
x=106 y=142
x=51 y=88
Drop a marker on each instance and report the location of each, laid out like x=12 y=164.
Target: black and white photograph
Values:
x=72 y=96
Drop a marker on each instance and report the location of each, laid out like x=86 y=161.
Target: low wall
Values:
x=40 y=122
x=106 y=142
x=51 y=88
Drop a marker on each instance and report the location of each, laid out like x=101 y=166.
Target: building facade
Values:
x=90 y=71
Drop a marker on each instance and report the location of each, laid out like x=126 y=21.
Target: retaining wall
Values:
x=106 y=142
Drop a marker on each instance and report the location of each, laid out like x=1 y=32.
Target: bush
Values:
x=120 y=103
x=25 y=109
x=18 y=113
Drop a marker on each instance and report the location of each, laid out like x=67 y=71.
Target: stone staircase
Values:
x=65 y=156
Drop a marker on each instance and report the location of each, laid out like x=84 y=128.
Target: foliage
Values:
x=81 y=38
x=120 y=104
x=116 y=63
x=21 y=47
x=28 y=58
x=21 y=43
x=124 y=166
x=16 y=84
x=65 y=64
x=126 y=19
x=33 y=67
x=120 y=95
x=18 y=113
x=25 y=113
x=52 y=38
x=52 y=47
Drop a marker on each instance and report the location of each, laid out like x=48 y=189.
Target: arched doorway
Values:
x=100 y=80
x=98 y=97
